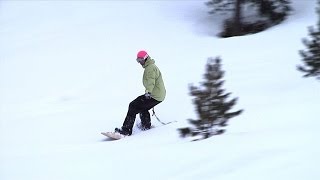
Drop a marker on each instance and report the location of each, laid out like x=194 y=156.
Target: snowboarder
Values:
x=155 y=93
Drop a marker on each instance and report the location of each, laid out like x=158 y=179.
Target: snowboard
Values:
x=113 y=135
x=117 y=136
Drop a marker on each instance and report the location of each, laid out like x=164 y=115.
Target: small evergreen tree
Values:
x=311 y=57
x=212 y=105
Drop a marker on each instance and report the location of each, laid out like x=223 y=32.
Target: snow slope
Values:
x=68 y=72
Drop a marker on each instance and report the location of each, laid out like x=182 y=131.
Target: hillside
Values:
x=68 y=72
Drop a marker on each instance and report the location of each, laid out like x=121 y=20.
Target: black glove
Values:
x=147 y=95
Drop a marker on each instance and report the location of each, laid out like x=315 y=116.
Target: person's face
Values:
x=141 y=61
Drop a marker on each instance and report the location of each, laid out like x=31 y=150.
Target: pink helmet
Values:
x=142 y=54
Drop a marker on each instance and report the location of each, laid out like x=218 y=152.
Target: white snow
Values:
x=68 y=72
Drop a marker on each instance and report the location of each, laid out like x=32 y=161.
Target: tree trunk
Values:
x=237 y=18
x=265 y=7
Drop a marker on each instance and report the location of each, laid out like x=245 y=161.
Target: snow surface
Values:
x=68 y=72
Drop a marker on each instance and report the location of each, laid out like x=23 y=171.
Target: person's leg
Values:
x=145 y=120
x=139 y=105
x=145 y=115
x=133 y=110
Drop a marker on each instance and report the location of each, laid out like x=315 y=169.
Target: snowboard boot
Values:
x=144 y=127
x=145 y=121
x=123 y=131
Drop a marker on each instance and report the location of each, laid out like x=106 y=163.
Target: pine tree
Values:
x=272 y=11
x=212 y=104
x=311 y=56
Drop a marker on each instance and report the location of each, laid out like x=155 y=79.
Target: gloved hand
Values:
x=147 y=95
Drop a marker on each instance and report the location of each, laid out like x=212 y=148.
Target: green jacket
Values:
x=152 y=80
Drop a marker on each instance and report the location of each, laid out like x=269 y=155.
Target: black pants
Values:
x=141 y=106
